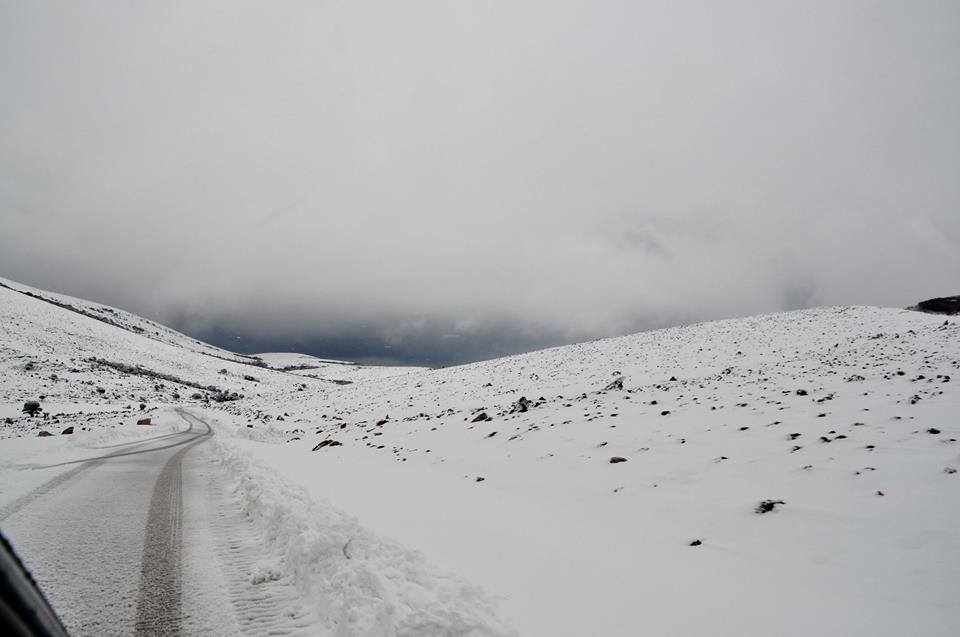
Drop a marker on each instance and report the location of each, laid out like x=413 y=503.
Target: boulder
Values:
x=615 y=384
x=67 y=431
x=766 y=506
x=520 y=406
x=942 y=305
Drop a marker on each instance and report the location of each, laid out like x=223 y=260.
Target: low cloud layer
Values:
x=443 y=182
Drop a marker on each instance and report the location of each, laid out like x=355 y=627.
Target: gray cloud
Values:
x=457 y=180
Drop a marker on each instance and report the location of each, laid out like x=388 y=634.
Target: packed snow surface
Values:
x=786 y=474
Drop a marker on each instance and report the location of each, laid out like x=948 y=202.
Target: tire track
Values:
x=265 y=601
x=159 y=595
x=50 y=485
x=83 y=465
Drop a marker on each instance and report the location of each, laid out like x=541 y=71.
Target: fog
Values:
x=437 y=182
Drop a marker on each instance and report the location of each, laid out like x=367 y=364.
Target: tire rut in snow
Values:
x=47 y=487
x=264 y=601
x=159 y=596
x=83 y=465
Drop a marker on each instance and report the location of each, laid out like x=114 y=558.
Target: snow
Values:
x=321 y=368
x=422 y=521
x=358 y=583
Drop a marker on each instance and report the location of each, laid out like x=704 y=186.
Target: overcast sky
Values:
x=443 y=181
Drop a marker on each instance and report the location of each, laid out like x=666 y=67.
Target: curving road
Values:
x=104 y=538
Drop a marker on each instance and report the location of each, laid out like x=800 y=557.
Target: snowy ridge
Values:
x=124 y=320
x=338 y=372
x=46 y=349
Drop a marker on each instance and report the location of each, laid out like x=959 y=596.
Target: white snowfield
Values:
x=789 y=474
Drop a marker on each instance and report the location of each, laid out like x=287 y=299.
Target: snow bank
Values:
x=359 y=583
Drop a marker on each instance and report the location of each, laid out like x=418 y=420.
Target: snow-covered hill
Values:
x=786 y=474
x=73 y=352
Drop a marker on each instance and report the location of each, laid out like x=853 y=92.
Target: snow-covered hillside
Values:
x=786 y=474
x=74 y=352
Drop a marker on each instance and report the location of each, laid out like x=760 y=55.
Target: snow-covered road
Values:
x=103 y=537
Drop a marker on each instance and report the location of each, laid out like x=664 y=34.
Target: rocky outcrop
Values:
x=942 y=305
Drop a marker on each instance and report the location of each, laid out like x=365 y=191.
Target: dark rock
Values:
x=481 y=417
x=665 y=412
x=615 y=384
x=942 y=305
x=766 y=506
x=801 y=392
x=616 y=459
x=44 y=433
x=521 y=406
x=252 y=379
x=480 y=479
x=67 y=431
x=225 y=396
x=933 y=430
x=696 y=543
x=32 y=408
